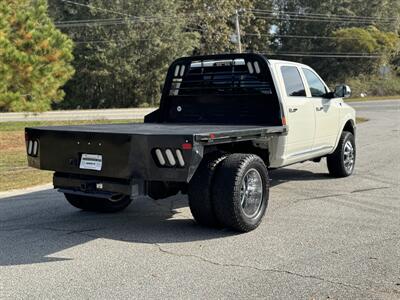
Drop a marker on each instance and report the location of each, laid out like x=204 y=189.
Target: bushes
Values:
x=375 y=85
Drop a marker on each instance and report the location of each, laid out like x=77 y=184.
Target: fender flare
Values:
x=348 y=121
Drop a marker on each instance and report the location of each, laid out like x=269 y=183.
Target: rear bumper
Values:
x=97 y=186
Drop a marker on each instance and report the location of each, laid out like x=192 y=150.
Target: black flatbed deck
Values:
x=200 y=132
x=127 y=149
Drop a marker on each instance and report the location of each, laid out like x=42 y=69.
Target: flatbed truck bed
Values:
x=199 y=133
x=62 y=148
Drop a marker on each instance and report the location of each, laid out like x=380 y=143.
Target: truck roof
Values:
x=286 y=62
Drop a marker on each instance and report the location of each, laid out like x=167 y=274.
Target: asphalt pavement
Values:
x=321 y=238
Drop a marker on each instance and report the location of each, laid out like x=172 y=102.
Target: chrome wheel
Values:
x=348 y=157
x=251 y=193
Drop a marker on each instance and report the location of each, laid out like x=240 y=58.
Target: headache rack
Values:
x=220 y=89
x=220 y=77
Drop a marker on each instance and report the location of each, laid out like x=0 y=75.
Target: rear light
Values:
x=32 y=147
x=160 y=157
x=180 y=157
x=187 y=146
x=35 y=147
x=170 y=157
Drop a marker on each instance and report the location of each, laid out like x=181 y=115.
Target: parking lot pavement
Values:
x=321 y=238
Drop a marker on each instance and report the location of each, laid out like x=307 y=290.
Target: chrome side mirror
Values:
x=342 y=91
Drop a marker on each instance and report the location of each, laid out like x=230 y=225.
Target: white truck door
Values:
x=300 y=116
x=326 y=112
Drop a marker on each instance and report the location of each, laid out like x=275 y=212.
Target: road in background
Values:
x=139 y=113
x=71 y=115
x=379 y=105
x=321 y=238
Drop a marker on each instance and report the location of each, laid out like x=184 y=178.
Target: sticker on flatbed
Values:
x=91 y=162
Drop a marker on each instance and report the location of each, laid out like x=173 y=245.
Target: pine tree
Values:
x=34 y=57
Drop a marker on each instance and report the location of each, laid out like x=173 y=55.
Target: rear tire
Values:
x=200 y=191
x=241 y=192
x=341 y=162
x=98 y=204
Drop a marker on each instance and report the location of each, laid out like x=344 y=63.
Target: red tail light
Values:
x=187 y=146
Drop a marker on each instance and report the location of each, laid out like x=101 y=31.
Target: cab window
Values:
x=317 y=88
x=293 y=83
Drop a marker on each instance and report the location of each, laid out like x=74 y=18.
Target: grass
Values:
x=14 y=170
x=360 y=120
x=373 y=98
x=15 y=126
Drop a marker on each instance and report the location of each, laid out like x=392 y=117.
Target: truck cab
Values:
x=315 y=118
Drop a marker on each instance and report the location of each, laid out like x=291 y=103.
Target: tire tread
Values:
x=228 y=179
x=335 y=161
x=200 y=189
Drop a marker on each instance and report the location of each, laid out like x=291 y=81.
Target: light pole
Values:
x=238 y=38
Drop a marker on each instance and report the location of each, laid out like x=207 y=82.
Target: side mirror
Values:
x=342 y=91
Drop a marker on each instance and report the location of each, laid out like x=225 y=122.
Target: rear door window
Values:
x=317 y=88
x=293 y=83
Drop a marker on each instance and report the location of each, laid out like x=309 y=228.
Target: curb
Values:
x=19 y=192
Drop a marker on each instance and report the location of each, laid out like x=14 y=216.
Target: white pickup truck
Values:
x=223 y=121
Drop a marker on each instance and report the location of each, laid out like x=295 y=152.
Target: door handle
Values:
x=292 y=110
x=319 y=108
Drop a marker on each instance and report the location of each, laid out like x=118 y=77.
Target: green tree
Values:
x=257 y=31
x=122 y=49
x=370 y=40
x=122 y=62
x=34 y=57
x=327 y=17
x=215 y=22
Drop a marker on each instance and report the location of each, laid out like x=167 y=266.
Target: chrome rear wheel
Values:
x=251 y=193
x=241 y=191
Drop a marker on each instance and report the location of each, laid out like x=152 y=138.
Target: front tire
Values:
x=341 y=162
x=241 y=192
x=98 y=204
